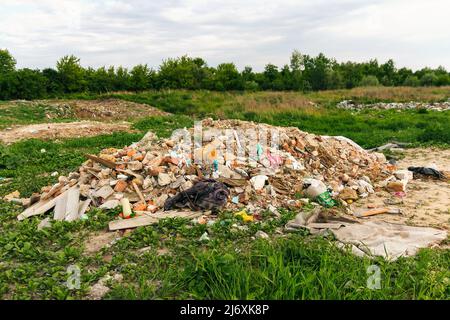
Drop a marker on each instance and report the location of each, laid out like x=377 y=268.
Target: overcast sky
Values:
x=415 y=33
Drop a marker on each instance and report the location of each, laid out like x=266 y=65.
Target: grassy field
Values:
x=168 y=260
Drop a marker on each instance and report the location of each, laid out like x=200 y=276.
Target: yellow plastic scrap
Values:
x=244 y=215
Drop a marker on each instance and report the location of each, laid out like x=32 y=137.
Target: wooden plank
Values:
x=60 y=207
x=172 y=214
x=148 y=219
x=104 y=162
x=83 y=207
x=37 y=208
x=73 y=203
x=139 y=193
x=132 y=223
x=52 y=191
x=371 y=212
x=41 y=206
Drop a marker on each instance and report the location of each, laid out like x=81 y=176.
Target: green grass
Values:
x=230 y=266
x=13 y=114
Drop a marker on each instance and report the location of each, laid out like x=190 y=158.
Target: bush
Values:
x=412 y=81
x=429 y=79
x=438 y=134
x=369 y=81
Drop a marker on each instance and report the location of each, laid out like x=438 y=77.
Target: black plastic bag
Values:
x=206 y=194
x=427 y=172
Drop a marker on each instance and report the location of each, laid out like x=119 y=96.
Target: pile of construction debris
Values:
x=228 y=168
x=144 y=177
x=412 y=105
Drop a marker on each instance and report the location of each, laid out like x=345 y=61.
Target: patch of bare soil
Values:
x=53 y=131
x=99 y=241
x=427 y=201
x=106 y=109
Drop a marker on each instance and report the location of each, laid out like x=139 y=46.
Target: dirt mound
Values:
x=100 y=109
x=113 y=109
x=52 y=131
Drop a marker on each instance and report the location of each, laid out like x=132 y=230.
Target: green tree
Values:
x=31 y=84
x=122 y=79
x=142 y=77
x=248 y=74
x=182 y=73
x=352 y=74
x=227 y=77
x=54 y=85
x=100 y=80
x=7 y=62
x=297 y=65
x=334 y=79
x=71 y=74
x=387 y=73
x=270 y=76
x=23 y=84
x=316 y=71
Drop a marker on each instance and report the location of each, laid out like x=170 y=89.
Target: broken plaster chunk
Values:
x=45 y=223
x=163 y=179
x=159 y=201
x=348 y=194
x=135 y=165
x=13 y=195
x=110 y=204
x=403 y=175
x=177 y=183
x=104 y=192
x=148 y=182
x=261 y=235
x=397 y=186
x=259 y=181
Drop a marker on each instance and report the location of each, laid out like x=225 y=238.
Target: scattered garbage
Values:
x=326 y=200
x=317 y=191
x=426 y=171
x=313 y=188
x=204 y=237
x=244 y=215
x=10 y=197
x=393 y=146
x=435 y=106
x=388 y=240
x=261 y=235
x=374 y=212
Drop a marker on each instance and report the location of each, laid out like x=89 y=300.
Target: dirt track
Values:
x=53 y=131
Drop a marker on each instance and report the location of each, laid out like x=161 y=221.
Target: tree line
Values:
x=303 y=73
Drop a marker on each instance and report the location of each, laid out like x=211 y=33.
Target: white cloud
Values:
x=414 y=33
